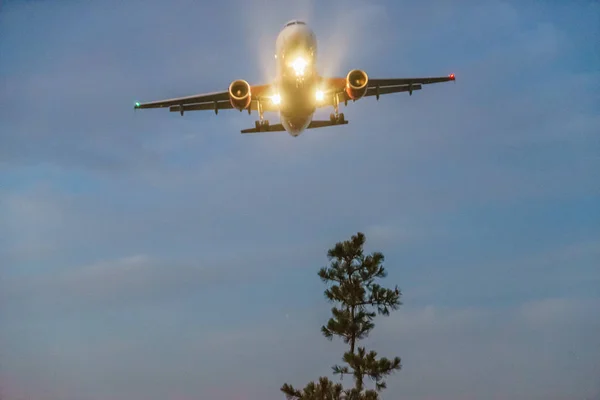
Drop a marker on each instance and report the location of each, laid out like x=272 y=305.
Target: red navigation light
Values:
x=452 y=77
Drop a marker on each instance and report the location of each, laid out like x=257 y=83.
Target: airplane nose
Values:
x=299 y=39
x=297 y=44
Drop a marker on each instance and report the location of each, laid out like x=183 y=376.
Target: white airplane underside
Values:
x=298 y=89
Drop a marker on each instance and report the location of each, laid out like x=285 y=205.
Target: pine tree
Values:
x=351 y=277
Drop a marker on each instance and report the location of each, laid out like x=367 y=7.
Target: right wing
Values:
x=207 y=101
x=381 y=86
x=408 y=81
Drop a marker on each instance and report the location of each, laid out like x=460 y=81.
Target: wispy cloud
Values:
x=146 y=255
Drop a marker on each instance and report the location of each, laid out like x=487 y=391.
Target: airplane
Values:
x=298 y=89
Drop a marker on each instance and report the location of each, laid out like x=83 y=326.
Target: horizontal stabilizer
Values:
x=280 y=128
x=323 y=124
x=267 y=128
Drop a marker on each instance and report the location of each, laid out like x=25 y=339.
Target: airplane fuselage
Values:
x=297 y=78
x=297 y=89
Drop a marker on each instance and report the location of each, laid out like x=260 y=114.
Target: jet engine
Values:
x=240 y=94
x=356 y=84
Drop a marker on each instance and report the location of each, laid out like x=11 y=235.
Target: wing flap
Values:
x=373 y=91
x=199 y=98
x=409 y=81
x=220 y=105
x=216 y=105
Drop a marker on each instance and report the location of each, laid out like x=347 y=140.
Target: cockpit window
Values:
x=295 y=22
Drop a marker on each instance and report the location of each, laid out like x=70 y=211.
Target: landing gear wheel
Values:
x=340 y=118
x=332 y=118
x=261 y=126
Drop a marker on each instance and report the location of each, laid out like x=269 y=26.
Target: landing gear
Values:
x=336 y=118
x=262 y=125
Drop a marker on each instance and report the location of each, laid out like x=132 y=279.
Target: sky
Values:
x=148 y=256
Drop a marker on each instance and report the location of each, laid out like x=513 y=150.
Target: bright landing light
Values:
x=276 y=98
x=299 y=64
x=320 y=95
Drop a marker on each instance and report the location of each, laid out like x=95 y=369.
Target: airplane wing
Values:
x=207 y=101
x=409 y=81
x=378 y=86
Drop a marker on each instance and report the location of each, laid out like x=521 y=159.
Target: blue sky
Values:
x=148 y=256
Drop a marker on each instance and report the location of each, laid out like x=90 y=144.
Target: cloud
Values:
x=144 y=281
x=145 y=255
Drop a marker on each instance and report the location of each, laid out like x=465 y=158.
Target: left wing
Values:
x=179 y=101
x=206 y=101
x=378 y=86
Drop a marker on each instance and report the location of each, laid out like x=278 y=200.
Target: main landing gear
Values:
x=336 y=117
x=262 y=125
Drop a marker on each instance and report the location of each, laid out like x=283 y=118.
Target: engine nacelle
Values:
x=240 y=94
x=356 y=84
